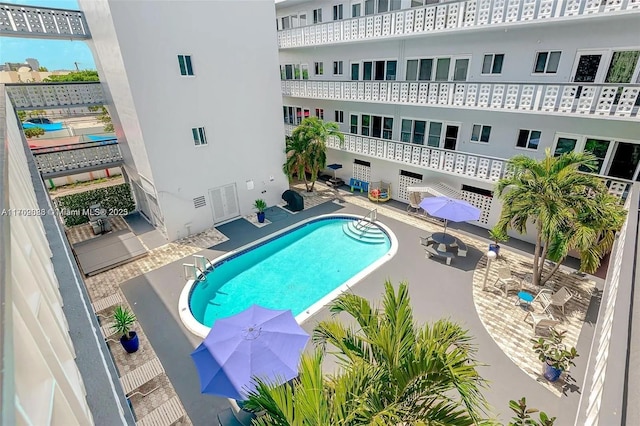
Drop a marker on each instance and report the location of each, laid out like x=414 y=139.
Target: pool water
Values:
x=291 y=271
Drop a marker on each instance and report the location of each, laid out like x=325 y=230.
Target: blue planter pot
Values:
x=131 y=344
x=261 y=217
x=494 y=248
x=550 y=373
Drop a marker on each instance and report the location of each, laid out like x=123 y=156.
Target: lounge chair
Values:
x=107 y=302
x=165 y=415
x=414 y=202
x=540 y=320
x=140 y=376
x=560 y=298
x=506 y=282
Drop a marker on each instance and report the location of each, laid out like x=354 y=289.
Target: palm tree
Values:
x=571 y=210
x=391 y=372
x=306 y=149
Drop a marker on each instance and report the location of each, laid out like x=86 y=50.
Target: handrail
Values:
x=492 y=82
x=7 y=385
x=73 y=146
x=365 y=221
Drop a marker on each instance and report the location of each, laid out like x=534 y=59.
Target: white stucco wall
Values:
x=234 y=95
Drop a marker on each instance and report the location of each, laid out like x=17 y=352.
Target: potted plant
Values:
x=123 y=320
x=260 y=205
x=553 y=353
x=498 y=235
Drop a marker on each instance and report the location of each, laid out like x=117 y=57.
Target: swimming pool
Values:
x=301 y=268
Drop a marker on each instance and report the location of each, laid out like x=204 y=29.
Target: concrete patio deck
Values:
x=152 y=286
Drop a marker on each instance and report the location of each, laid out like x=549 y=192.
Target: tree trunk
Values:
x=543 y=257
x=536 y=255
x=313 y=184
x=553 y=271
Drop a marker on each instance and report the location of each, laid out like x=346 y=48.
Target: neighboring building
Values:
x=26 y=75
x=201 y=132
x=33 y=63
x=444 y=93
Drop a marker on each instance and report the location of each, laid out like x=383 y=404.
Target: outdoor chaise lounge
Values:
x=414 y=202
x=140 y=376
x=165 y=415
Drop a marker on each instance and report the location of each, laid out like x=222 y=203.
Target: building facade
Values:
x=446 y=92
x=203 y=104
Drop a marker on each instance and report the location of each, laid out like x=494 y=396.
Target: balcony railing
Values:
x=468 y=165
x=25 y=96
x=42 y=22
x=77 y=158
x=596 y=100
x=447 y=17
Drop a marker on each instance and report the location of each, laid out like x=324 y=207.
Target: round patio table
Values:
x=524 y=297
x=442 y=238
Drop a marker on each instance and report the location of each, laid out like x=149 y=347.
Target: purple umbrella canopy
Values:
x=257 y=342
x=450 y=209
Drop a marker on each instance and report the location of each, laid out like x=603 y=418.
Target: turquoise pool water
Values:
x=291 y=271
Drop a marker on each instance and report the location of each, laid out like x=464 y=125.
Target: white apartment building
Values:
x=196 y=110
x=445 y=92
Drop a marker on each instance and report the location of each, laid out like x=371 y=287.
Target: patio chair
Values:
x=414 y=202
x=506 y=282
x=560 y=298
x=140 y=376
x=540 y=320
x=165 y=415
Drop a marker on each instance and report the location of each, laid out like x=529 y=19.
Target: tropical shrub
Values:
x=115 y=198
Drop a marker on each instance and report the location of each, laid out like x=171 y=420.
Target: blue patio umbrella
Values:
x=257 y=342
x=450 y=209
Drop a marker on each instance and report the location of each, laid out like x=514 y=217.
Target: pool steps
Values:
x=364 y=231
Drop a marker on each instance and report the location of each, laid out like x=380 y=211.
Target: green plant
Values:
x=552 y=351
x=34 y=132
x=116 y=198
x=498 y=235
x=123 y=319
x=570 y=209
x=523 y=415
x=260 y=205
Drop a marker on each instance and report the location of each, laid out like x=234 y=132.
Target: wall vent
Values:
x=199 y=202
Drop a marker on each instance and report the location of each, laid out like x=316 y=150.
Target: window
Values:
x=339 y=117
x=391 y=70
x=435 y=131
x=199 y=137
x=317 y=16
x=406 y=173
x=365 y=126
x=320 y=113
x=529 y=139
x=337 y=12
x=480 y=133
x=622 y=67
x=564 y=145
x=303 y=19
x=369 y=7
x=354 y=124
x=396 y=4
x=356 y=10
x=413 y=131
x=460 y=70
x=294 y=72
x=492 y=63
x=319 y=68
x=337 y=68
x=547 y=62
x=376 y=70
x=387 y=128
x=286 y=23
x=442 y=69
x=355 y=71
x=375 y=126
x=185 y=65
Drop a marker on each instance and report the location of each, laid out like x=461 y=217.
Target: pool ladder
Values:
x=196 y=270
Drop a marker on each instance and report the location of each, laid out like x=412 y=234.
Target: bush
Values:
x=34 y=132
x=114 y=199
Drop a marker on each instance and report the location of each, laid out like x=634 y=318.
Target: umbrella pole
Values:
x=445 y=227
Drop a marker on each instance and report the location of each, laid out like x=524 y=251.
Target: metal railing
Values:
x=472 y=166
x=619 y=101
x=42 y=22
x=7 y=385
x=29 y=96
x=450 y=16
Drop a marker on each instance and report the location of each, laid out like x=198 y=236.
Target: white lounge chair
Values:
x=165 y=415
x=506 y=282
x=414 y=202
x=140 y=376
x=540 y=321
x=559 y=298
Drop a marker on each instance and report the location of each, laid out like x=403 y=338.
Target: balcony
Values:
x=448 y=17
x=77 y=158
x=471 y=166
x=617 y=101
x=25 y=96
x=42 y=22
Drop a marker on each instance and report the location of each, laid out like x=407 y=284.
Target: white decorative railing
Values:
x=77 y=158
x=26 y=96
x=473 y=166
x=447 y=17
x=597 y=100
x=42 y=22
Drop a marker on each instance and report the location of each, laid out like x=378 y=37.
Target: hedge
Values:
x=116 y=200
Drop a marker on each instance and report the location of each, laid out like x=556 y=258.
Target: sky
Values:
x=53 y=54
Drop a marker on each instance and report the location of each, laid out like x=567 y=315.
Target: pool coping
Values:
x=201 y=330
